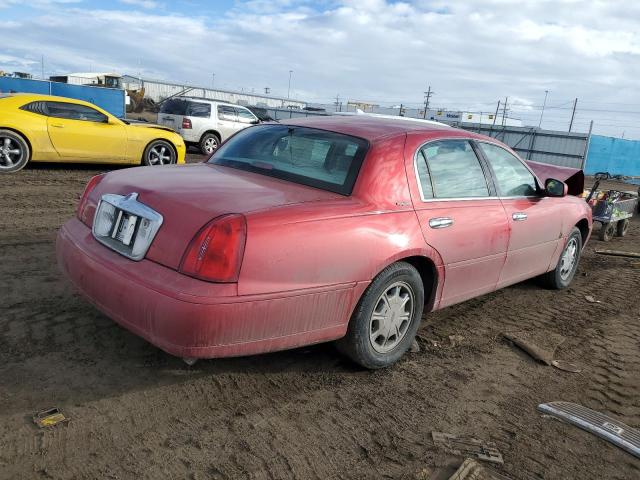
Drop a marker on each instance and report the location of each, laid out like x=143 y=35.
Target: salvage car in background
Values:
x=45 y=128
x=204 y=123
x=326 y=228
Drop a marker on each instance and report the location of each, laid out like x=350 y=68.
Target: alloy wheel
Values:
x=11 y=153
x=391 y=317
x=159 y=155
x=211 y=144
x=569 y=258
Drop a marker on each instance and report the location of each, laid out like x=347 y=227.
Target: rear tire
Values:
x=561 y=276
x=14 y=151
x=623 y=226
x=209 y=143
x=159 y=152
x=386 y=318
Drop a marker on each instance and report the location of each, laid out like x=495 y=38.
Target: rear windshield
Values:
x=174 y=106
x=317 y=158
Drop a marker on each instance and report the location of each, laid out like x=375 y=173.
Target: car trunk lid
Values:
x=190 y=196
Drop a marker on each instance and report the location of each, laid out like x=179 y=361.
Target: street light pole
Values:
x=213 y=80
x=289 y=87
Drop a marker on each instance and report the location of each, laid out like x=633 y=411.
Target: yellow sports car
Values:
x=44 y=128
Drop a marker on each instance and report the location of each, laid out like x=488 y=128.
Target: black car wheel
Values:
x=561 y=276
x=159 y=152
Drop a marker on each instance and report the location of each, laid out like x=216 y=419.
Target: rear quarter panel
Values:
x=342 y=241
x=31 y=125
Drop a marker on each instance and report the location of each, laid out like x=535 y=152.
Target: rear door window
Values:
x=513 y=179
x=450 y=169
x=198 y=109
x=73 y=111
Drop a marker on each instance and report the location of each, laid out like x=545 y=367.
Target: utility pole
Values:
x=427 y=96
x=338 y=104
x=401 y=112
x=573 y=113
x=289 y=88
x=504 y=110
x=42 y=67
x=544 y=104
x=494 y=118
x=213 y=80
x=267 y=90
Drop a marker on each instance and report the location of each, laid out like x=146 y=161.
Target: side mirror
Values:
x=555 y=188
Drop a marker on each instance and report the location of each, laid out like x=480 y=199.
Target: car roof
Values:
x=210 y=100
x=374 y=128
x=33 y=97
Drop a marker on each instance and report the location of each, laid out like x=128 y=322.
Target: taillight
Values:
x=215 y=253
x=84 y=199
x=186 y=123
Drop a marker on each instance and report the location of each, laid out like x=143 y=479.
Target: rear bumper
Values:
x=190 y=318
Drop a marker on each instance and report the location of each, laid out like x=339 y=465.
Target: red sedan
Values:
x=328 y=228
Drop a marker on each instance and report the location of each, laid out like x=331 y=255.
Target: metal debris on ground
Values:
x=619 y=253
x=472 y=470
x=468 y=446
x=605 y=427
x=590 y=299
x=49 y=418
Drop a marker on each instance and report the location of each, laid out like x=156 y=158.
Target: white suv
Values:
x=205 y=123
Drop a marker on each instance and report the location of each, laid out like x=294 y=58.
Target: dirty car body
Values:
x=281 y=238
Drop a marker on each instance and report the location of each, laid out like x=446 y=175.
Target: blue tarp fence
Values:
x=110 y=99
x=614 y=155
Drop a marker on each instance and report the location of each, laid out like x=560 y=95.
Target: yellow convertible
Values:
x=44 y=128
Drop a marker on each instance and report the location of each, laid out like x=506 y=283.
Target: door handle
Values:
x=440 y=222
x=519 y=216
x=57 y=125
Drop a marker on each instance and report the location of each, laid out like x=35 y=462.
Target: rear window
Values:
x=317 y=158
x=174 y=106
x=198 y=109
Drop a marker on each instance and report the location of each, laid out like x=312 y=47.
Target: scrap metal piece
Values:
x=618 y=433
x=472 y=470
x=619 y=253
x=49 y=418
x=468 y=446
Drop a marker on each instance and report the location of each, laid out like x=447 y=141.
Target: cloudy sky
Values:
x=472 y=53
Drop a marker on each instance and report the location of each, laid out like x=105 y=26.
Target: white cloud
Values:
x=141 y=3
x=471 y=53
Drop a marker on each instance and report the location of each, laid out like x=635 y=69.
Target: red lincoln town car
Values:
x=341 y=228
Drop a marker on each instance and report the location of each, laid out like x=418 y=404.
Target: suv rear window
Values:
x=174 y=106
x=317 y=158
x=198 y=109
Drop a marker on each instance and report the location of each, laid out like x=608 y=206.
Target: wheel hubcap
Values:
x=569 y=257
x=210 y=145
x=391 y=317
x=10 y=153
x=159 y=155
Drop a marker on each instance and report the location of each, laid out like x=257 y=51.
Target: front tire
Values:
x=159 y=152
x=561 y=277
x=14 y=151
x=386 y=319
x=607 y=231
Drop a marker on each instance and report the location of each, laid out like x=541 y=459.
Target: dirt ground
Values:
x=137 y=413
